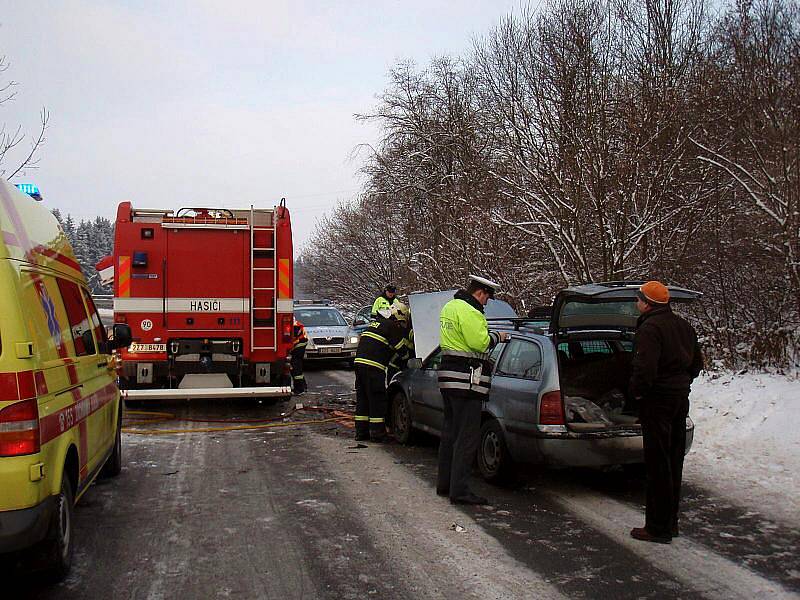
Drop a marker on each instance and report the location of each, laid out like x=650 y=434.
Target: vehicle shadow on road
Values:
x=741 y=534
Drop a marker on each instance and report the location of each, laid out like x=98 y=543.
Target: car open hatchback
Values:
x=558 y=397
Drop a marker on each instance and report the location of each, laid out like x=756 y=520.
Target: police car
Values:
x=329 y=335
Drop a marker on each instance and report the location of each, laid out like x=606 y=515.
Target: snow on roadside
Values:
x=747 y=441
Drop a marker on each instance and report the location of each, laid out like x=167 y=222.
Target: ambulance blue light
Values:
x=29 y=188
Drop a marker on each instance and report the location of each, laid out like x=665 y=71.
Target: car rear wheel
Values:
x=494 y=461
x=58 y=546
x=113 y=466
x=401 y=418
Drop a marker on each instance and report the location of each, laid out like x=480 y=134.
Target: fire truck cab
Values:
x=208 y=296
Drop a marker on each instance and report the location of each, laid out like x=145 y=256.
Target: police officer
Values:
x=378 y=343
x=464 y=380
x=384 y=301
x=300 y=341
x=665 y=361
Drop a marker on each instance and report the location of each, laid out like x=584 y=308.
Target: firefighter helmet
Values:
x=400 y=311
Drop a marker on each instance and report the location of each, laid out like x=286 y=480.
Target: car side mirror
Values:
x=414 y=363
x=122 y=336
x=88 y=341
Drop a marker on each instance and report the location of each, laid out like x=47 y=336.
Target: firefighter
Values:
x=666 y=359
x=298 y=353
x=464 y=380
x=379 y=342
x=400 y=358
x=384 y=301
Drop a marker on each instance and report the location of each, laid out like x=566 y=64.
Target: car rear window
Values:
x=589 y=314
x=590 y=347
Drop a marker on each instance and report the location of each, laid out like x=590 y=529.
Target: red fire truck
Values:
x=208 y=297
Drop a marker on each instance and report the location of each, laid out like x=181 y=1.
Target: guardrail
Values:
x=103 y=300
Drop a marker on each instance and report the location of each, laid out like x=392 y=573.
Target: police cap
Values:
x=489 y=286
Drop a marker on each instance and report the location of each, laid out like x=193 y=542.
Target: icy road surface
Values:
x=301 y=513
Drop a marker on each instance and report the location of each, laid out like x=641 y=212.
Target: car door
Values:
x=86 y=387
x=104 y=408
x=516 y=384
x=428 y=406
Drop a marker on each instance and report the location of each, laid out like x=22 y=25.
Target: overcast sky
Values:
x=212 y=103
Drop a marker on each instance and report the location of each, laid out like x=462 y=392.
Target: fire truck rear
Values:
x=208 y=297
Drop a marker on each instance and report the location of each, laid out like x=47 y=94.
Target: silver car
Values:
x=558 y=396
x=329 y=335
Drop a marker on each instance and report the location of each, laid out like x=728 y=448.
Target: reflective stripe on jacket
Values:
x=465 y=340
x=379 y=342
x=299 y=337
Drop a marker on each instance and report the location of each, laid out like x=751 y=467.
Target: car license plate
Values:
x=135 y=348
x=331 y=350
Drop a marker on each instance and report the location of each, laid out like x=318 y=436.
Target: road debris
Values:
x=457 y=528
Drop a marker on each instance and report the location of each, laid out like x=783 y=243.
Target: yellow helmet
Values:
x=400 y=311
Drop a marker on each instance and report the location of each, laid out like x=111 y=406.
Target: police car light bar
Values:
x=29 y=188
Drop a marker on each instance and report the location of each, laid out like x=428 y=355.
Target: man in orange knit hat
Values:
x=666 y=359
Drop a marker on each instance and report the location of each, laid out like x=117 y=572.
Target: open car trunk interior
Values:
x=594 y=382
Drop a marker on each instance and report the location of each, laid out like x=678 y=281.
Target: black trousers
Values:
x=370 y=402
x=663 y=419
x=299 y=380
x=461 y=432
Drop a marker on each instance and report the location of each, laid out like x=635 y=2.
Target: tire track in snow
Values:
x=412 y=526
x=692 y=563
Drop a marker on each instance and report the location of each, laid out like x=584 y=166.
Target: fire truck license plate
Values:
x=330 y=350
x=134 y=348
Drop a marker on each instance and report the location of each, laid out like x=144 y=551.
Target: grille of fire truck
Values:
x=263 y=280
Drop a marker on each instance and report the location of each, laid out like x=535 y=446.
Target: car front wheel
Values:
x=494 y=461
x=401 y=418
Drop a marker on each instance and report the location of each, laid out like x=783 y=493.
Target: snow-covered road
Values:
x=305 y=513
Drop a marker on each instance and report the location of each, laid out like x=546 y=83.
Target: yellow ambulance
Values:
x=60 y=410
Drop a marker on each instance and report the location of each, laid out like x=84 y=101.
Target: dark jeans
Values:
x=461 y=432
x=663 y=419
x=298 y=378
x=370 y=402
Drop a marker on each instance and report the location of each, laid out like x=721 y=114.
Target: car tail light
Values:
x=19 y=428
x=551 y=409
x=286 y=328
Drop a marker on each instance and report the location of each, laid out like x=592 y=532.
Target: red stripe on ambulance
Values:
x=53 y=425
x=17 y=386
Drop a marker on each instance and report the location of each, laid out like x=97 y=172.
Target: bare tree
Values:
x=595 y=140
x=593 y=143
x=12 y=137
x=758 y=148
